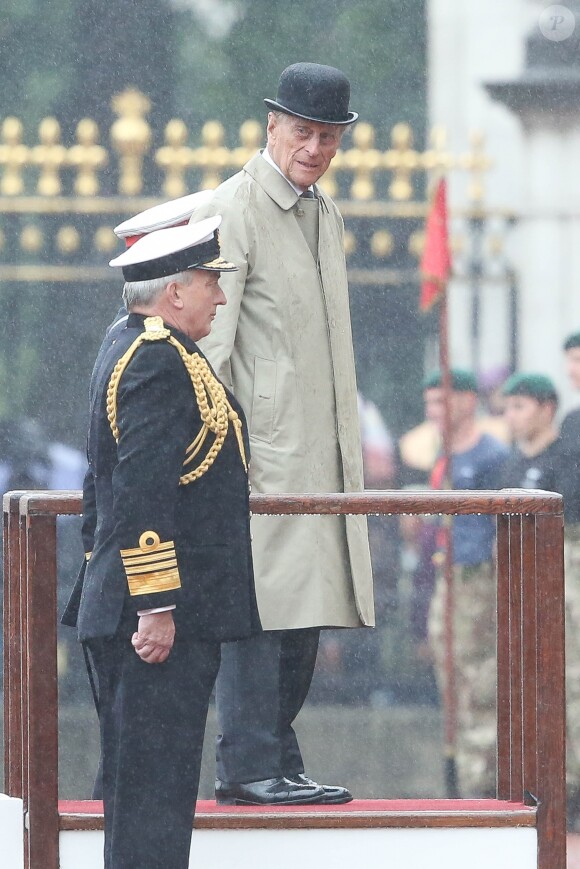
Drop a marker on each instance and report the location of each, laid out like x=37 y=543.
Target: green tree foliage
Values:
x=35 y=56
x=379 y=44
x=68 y=58
x=119 y=44
x=196 y=59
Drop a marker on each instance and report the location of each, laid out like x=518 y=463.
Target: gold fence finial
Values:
x=13 y=156
x=477 y=164
x=251 y=137
x=175 y=158
x=437 y=158
x=362 y=165
x=363 y=159
x=50 y=156
x=328 y=182
x=68 y=239
x=402 y=160
x=212 y=156
x=131 y=137
x=87 y=157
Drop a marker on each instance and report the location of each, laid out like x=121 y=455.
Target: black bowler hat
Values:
x=315 y=92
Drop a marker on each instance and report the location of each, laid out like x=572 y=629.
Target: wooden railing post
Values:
x=12 y=663
x=40 y=590
x=506 y=563
x=531 y=697
x=550 y=696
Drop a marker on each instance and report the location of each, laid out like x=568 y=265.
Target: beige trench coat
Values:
x=283 y=345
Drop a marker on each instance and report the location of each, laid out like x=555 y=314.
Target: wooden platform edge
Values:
x=520 y=817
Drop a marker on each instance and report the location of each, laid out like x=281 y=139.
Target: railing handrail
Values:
x=518 y=502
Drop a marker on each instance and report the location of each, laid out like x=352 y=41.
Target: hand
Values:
x=154 y=637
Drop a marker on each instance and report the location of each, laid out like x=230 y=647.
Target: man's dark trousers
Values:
x=152 y=720
x=256 y=707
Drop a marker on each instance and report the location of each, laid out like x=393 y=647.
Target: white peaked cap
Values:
x=176 y=249
x=172 y=213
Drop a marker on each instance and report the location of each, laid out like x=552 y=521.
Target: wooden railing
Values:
x=530 y=650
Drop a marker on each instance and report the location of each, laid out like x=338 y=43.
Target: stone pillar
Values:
x=546 y=100
x=469 y=43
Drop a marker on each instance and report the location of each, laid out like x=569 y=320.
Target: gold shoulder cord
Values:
x=214 y=407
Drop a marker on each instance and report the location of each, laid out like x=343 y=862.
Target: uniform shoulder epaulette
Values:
x=215 y=410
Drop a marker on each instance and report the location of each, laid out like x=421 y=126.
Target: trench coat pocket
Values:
x=263 y=399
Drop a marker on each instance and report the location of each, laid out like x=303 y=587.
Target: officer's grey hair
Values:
x=147 y=292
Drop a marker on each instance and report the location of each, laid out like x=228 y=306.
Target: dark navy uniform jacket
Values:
x=158 y=542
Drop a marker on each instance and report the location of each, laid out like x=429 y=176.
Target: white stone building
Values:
x=511 y=69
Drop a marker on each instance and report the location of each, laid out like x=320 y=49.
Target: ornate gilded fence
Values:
x=61 y=194
x=104 y=181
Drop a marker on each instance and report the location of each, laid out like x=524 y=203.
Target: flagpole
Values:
x=435 y=270
x=450 y=692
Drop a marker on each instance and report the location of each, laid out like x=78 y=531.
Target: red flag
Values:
x=436 y=260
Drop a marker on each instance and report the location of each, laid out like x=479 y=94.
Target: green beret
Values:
x=572 y=341
x=461 y=380
x=536 y=386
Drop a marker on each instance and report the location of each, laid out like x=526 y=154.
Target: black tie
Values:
x=308 y=194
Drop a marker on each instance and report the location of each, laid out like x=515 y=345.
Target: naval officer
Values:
x=170 y=574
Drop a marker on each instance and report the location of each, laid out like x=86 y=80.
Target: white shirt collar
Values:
x=267 y=157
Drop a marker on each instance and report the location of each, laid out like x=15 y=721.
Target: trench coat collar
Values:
x=273 y=183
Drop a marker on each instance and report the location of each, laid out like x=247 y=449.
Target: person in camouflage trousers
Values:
x=542 y=460
x=476 y=461
x=568 y=484
x=572 y=574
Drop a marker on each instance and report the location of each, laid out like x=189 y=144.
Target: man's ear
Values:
x=272 y=123
x=173 y=295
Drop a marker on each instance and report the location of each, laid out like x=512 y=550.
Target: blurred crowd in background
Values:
x=390 y=665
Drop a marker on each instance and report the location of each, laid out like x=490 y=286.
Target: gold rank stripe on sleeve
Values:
x=156 y=558
x=162 y=564
x=152 y=547
x=152 y=566
x=151 y=583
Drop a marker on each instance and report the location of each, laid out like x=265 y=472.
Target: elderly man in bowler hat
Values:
x=283 y=346
x=169 y=577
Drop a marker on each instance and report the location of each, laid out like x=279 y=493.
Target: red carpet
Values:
x=92 y=807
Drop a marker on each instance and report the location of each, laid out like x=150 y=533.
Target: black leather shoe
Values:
x=268 y=792
x=332 y=793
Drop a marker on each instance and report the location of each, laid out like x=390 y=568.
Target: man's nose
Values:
x=220 y=296
x=313 y=145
